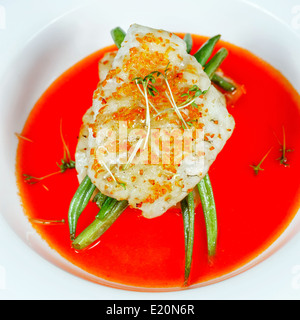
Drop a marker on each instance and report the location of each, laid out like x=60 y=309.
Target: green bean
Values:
x=210 y=215
x=107 y=206
x=189 y=42
x=204 y=186
x=190 y=238
x=206 y=50
x=78 y=203
x=188 y=213
x=215 y=62
x=222 y=83
x=99 y=199
x=96 y=229
x=118 y=36
x=203 y=54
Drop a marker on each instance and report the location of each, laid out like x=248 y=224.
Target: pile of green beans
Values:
x=111 y=209
x=204 y=53
x=96 y=229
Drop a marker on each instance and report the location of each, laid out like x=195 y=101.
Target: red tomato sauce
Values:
x=252 y=210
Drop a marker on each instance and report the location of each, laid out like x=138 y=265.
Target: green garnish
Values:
x=47 y=222
x=258 y=168
x=32 y=180
x=66 y=163
x=147 y=82
x=191 y=98
x=283 y=159
x=64 y=166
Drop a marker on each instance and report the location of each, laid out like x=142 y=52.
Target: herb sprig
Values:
x=258 y=168
x=47 y=222
x=65 y=164
x=147 y=82
x=283 y=159
x=149 y=89
x=191 y=98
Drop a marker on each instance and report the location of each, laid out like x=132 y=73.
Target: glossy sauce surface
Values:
x=252 y=210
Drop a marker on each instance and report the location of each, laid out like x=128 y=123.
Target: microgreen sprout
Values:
x=283 y=159
x=171 y=97
x=66 y=163
x=149 y=89
x=134 y=152
x=147 y=84
x=32 y=180
x=258 y=168
x=191 y=98
x=18 y=135
x=47 y=222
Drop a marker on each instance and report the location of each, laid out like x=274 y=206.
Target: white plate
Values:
x=41 y=39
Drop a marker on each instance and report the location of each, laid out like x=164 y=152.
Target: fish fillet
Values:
x=151 y=149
